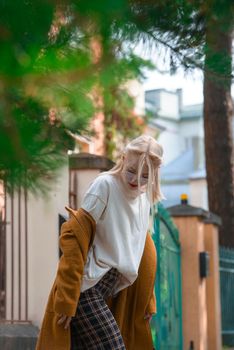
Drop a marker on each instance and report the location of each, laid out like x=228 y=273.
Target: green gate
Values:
x=226 y=268
x=166 y=325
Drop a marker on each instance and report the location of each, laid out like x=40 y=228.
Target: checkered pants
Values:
x=94 y=326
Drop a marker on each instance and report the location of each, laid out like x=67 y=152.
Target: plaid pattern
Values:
x=94 y=326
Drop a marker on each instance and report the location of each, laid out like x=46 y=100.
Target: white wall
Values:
x=43 y=251
x=84 y=178
x=198 y=193
x=191 y=128
x=169 y=105
x=170 y=139
x=171 y=144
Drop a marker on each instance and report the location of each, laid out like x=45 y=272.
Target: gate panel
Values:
x=226 y=259
x=167 y=323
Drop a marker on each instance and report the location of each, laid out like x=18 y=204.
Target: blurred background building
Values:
x=182 y=137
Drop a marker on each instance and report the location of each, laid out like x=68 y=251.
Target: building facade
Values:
x=182 y=137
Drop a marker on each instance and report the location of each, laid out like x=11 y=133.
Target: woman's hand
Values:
x=148 y=317
x=64 y=319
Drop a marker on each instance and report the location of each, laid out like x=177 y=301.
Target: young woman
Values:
x=102 y=297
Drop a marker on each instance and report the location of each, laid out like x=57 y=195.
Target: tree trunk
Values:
x=218 y=114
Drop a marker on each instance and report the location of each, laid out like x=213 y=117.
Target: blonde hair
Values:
x=149 y=152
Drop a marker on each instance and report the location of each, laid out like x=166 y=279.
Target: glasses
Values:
x=132 y=176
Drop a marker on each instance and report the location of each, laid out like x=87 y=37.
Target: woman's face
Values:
x=130 y=173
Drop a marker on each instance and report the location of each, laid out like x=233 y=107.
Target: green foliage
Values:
x=40 y=69
x=24 y=30
x=47 y=60
x=30 y=147
x=27 y=154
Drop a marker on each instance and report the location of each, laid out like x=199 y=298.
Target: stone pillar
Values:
x=84 y=167
x=199 y=324
x=213 y=287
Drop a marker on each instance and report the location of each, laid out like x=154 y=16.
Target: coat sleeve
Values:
x=76 y=237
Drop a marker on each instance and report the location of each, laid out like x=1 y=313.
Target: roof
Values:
x=182 y=168
x=198 y=174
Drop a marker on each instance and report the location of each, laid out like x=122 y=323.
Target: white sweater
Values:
x=120 y=230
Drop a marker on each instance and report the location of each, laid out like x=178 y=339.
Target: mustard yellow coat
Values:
x=129 y=307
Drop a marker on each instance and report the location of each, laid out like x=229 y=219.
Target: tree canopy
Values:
x=48 y=61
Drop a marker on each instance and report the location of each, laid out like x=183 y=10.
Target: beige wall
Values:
x=43 y=243
x=84 y=178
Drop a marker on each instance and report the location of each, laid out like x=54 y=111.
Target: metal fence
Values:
x=2 y=252
x=14 y=258
x=167 y=323
x=226 y=258
x=2 y=267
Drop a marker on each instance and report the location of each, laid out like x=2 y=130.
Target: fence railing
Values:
x=14 y=258
x=226 y=257
x=2 y=267
x=167 y=323
x=2 y=252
